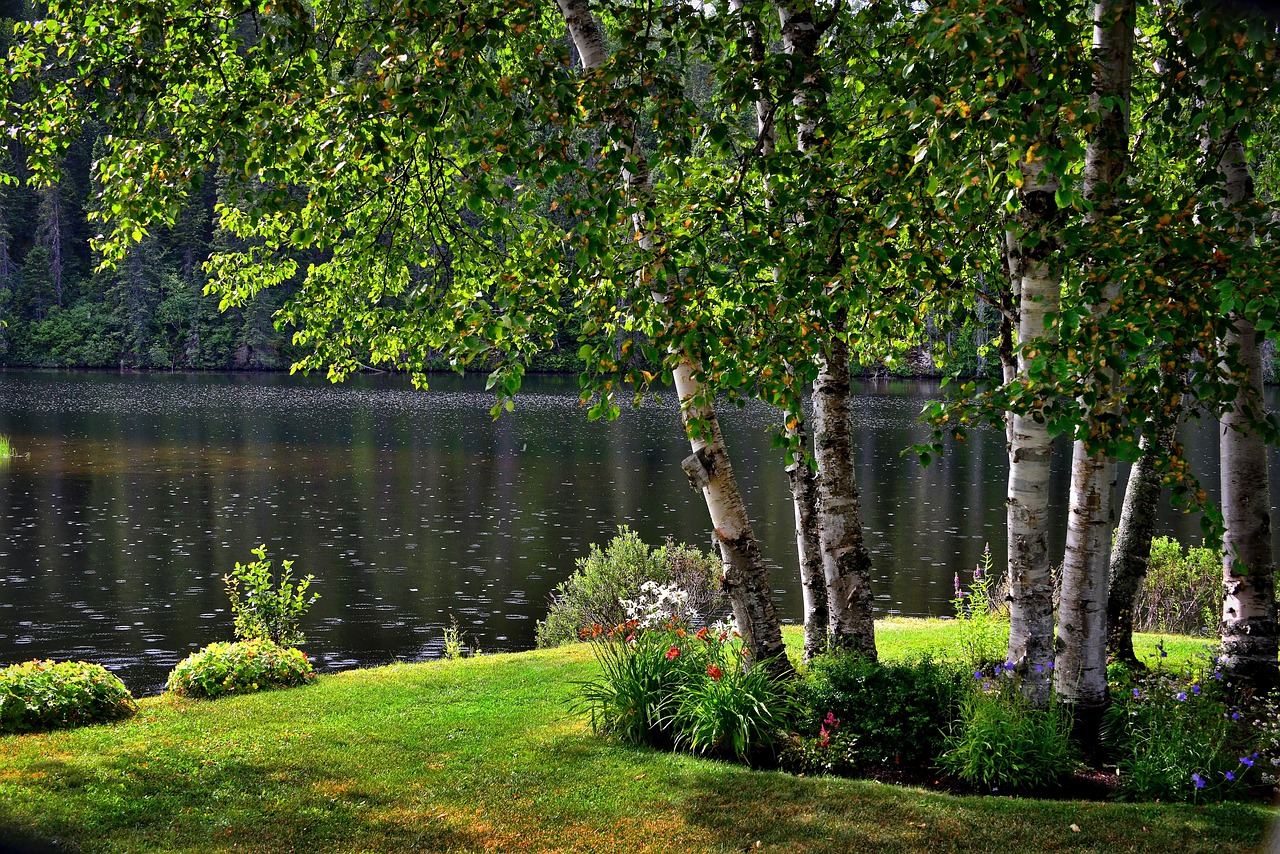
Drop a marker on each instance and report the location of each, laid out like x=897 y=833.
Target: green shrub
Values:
x=859 y=713
x=606 y=579
x=265 y=608
x=40 y=695
x=1176 y=736
x=1182 y=591
x=1002 y=742
x=239 y=668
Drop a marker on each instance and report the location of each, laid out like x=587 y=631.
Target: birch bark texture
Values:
x=1131 y=553
x=1080 y=675
x=746 y=578
x=1030 y=449
x=1248 y=629
x=846 y=563
x=800 y=477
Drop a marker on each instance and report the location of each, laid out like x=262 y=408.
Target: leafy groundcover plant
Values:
x=1187 y=736
x=862 y=716
x=40 y=695
x=670 y=686
x=239 y=668
x=1002 y=743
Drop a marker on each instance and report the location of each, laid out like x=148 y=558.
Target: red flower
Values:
x=673 y=652
x=702 y=634
x=714 y=672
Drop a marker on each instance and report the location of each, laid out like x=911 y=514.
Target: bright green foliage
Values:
x=605 y=578
x=690 y=689
x=637 y=693
x=6 y=448
x=868 y=715
x=1177 y=735
x=40 y=695
x=1001 y=741
x=1182 y=591
x=982 y=620
x=729 y=711
x=266 y=608
x=244 y=667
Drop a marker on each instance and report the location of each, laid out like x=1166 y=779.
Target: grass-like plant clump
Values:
x=43 y=695
x=1181 y=733
x=1001 y=742
x=243 y=667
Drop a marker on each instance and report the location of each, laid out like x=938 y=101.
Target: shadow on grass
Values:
x=194 y=802
x=786 y=813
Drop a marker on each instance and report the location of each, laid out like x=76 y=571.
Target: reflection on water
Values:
x=141 y=491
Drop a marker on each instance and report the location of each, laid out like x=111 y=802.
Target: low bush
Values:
x=1002 y=742
x=40 y=695
x=239 y=668
x=267 y=608
x=669 y=686
x=1179 y=736
x=859 y=714
x=607 y=579
x=1182 y=591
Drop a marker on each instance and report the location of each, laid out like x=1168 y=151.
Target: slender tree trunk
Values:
x=1132 y=550
x=745 y=576
x=813 y=583
x=1080 y=675
x=1030 y=450
x=1248 y=630
x=800 y=476
x=846 y=563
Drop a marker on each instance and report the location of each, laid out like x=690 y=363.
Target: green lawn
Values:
x=484 y=755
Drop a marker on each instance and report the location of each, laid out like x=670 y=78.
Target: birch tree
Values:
x=1080 y=676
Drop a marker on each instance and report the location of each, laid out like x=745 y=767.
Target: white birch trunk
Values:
x=800 y=476
x=846 y=563
x=1248 y=628
x=746 y=578
x=1080 y=676
x=1030 y=453
x=813 y=583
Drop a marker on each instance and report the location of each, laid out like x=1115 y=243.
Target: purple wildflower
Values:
x=1198 y=780
x=1230 y=775
x=1136 y=693
x=1195 y=689
x=1246 y=761
x=1182 y=697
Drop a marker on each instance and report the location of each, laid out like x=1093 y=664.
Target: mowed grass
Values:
x=487 y=755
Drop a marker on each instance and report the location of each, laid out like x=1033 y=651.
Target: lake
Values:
x=142 y=490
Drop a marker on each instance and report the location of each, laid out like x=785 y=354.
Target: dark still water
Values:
x=141 y=491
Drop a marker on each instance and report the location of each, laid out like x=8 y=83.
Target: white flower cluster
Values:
x=658 y=603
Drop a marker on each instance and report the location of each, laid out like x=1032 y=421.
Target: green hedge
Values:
x=40 y=695
x=239 y=668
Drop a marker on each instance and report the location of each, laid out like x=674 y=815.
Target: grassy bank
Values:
x=484 y=755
